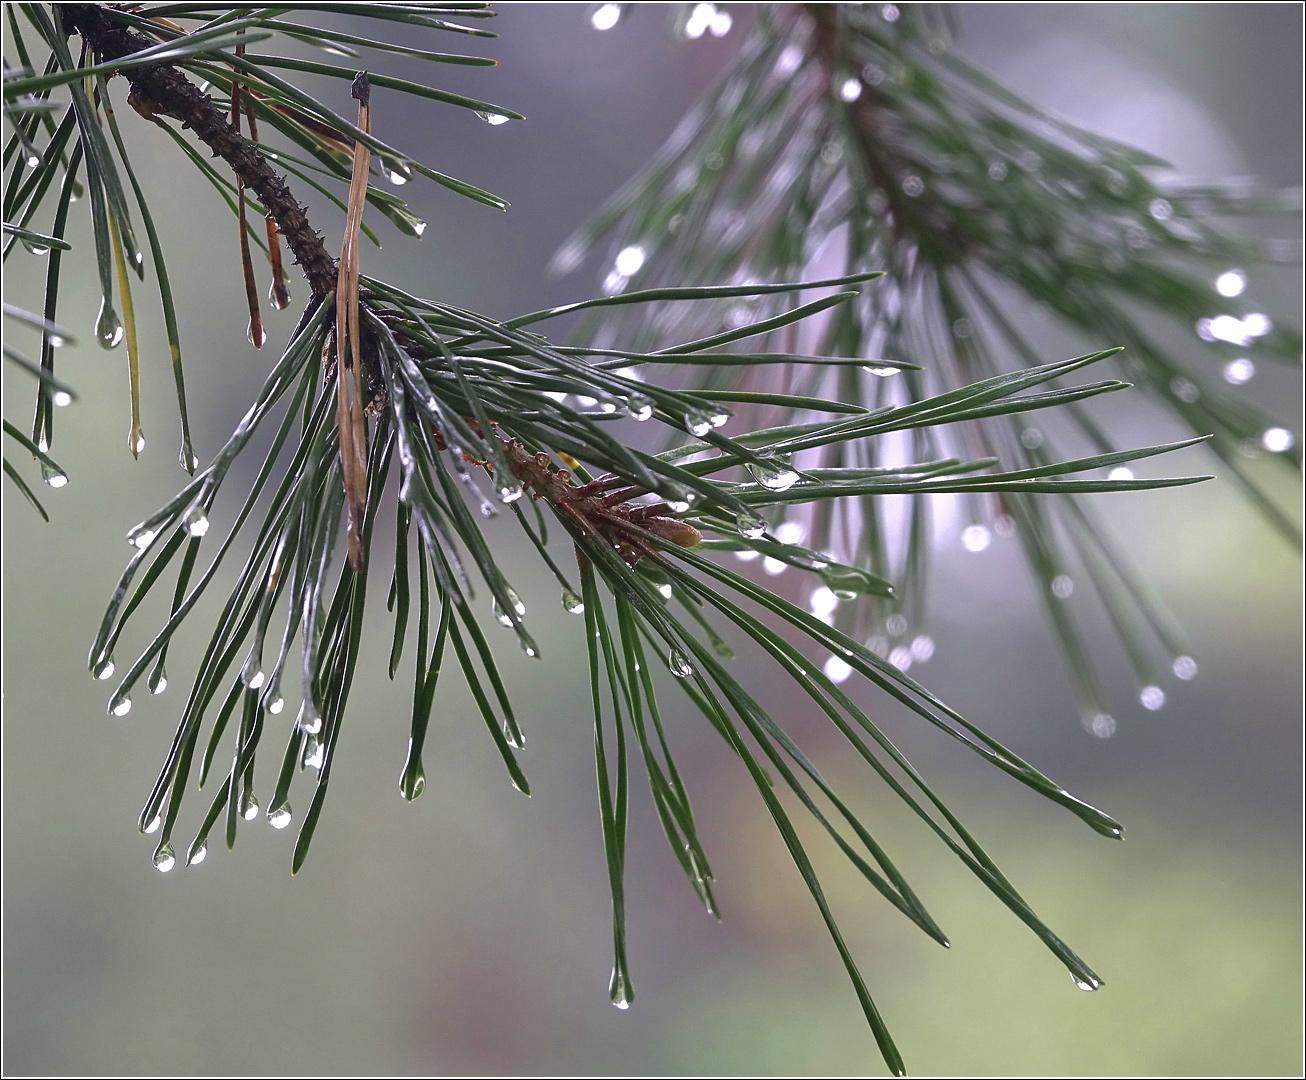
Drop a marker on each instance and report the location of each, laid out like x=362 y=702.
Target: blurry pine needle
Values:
x=450 y=399
x=857 y=135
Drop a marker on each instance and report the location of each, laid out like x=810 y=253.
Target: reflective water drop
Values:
x=851 y=89
x=822 y=602
x=108 y=327
x=837 y=670
x=679 y=664
x=1237 y=372
x=1160 y=209
x=36 y=249
x=33 y=161
x=665 y=589
x=890 y=13
x=1231 y=283
x=881 y=371
x=618 y=988
x=719 y=419
x=922 y=648
x=279 y=294
x=256 y=680
x=196 y=522
x=104 y=670
x=1152 y=697
x=845 y=582
x=255 y=333
x=517 y=606
x=248 y=806
x=188 y=461
x=679 y=503
x=279 y=815
x=1085 y=984
x=1121 y=472
x=311 y=723
x=314 y=752
x=750 y=525
x=1184 y=667
x=492 y=118
x=997 y=171
x=572 y=603
x=1276 y=440
x=154 y=824
x=120 y=706
x=791 y=532
x=277 y=705
x=395 y=177
x=629 y=260
x=62 y=398
x=165 y=858
x=1031 y=438
x=975 y=538
x=913 y=185
x=1062 y=586
x=411 y=785
x=509 y=491
x=775 y=475
x=158 y=681
x=896 y=624
x=698 y=424
x=641 y=408
x=198 y=855
x=140 y=441
x=55 y=479
x=528 y=647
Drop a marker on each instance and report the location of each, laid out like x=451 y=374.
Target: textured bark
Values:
x=162 y=89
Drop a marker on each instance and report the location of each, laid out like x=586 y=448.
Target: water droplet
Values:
x=618 y=988
x=395 y=177
x=750 y=525
x=158 y=681
x=1237 y=372
x=846 y=582
x=1087 y=985
x=1184 y=667
x=572 y=603
x=1102 y=726
x=881 y=371
x=791 y=532
x=837 y=669
x=774 y=475
x=509 y=491
x=698 y=424
x=1031 y=438
x=1160 y=209
x=54 y=479
x=679 y=664
x=1062 y=586
x=256 y=680
x=104 y=668
x=198 y=855
x=255 y=333
x=36 y=249
x=719 y=419
x=314 y=752
x=196 y=522
x=997 y=171
x=412 y=784
x=1231 y=283
x=277 y=705
x=679 y=502
x=529 y=648
x=279 y=294
x=108 y=327
x=896 y=624
x=641 y=408
x=154 y=824
x=279 y=815
x=606 y=17
x=1152 y=697
x=310 y=722
x=248 y=806
x=492 y=118
x=140 y=442
x=1276 y=440
x=33 y=161
x=851 y=89
x=62 y=398
x=922 y=648
x=913 y=185
x=517 y=606
x=120 y=706
x=823 y=602
x=165 y=858
x=975 y=538
x=189 y=462
x=1121 y=472
x=665 y=589
x=629 y=260
x=889 y=13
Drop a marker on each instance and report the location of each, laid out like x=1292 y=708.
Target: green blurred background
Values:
x=468 y=932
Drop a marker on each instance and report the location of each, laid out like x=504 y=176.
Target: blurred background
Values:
x=469 y=932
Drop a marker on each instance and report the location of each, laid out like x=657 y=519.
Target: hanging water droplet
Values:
x=517 y=606
x=62 y=398
x=665 y=589
x=413 y=782
x=188 y=461
x=165 y=858
x=310 y=722
x=158 y=681
x=120 y=706
x=619 y=990
x=509 y=491
x=255 y=333
x=776 y=475
x=395 y=177
x=256 y=680
x=679 y=664
x=277 y=705
x=53 y=477
x=314 y=751
x=529 y=648
x=197 y=855
x=139 y=445
x=279 y=294
x=35 y=249
x=154 y=824
x=572 y=603
x=1087 y=985
x=248 y=806
x=492 y=118
x=108 y=327
x=419 y=227
x=279 y=815
x=104 y=668
x=698 y=424
x=33 y=160
x=719 y=419
x=678 y=503
x=750 y=525
x=196 y=522
x=641 y=407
